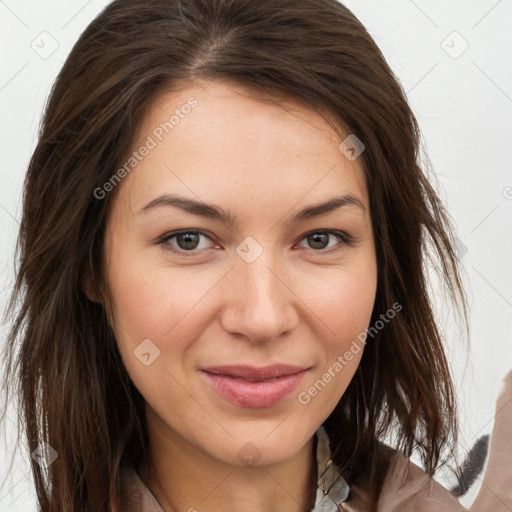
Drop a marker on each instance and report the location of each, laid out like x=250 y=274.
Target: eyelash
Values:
x=343 y=237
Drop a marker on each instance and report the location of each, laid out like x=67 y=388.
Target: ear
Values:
x=90 y=290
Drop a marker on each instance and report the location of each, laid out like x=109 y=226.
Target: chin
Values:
x=258 y=446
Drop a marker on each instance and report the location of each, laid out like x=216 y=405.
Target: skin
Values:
x=262 y=163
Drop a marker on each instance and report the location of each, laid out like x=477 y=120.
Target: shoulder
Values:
x=409 y=489
x=406 y=488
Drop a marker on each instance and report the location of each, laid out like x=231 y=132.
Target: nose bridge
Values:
x=261 y=306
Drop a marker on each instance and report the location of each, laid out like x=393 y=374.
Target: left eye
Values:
x=319 y=239
x=190 y=241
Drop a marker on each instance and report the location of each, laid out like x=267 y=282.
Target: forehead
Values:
x=224 y=139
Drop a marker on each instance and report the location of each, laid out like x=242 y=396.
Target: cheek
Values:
x=343 y=301
x=349 y=314
x=139 y=302
x=151 y=300
x=152 y=303
x=353 y=305
x=344 y=304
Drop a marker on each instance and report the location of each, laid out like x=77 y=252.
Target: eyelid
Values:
x=165 y=238
x=342 y=236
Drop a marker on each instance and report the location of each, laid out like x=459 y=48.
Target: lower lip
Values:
x=255 y=394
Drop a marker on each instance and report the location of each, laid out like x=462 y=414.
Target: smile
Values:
x=254 y=387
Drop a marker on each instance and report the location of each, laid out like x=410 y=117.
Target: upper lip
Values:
x=255 y=373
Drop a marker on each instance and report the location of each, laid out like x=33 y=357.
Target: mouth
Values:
x=253 y=387
x=253 y=373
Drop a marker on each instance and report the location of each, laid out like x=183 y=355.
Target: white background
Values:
x=463 y=102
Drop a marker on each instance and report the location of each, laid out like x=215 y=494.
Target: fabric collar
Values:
x=332 y=489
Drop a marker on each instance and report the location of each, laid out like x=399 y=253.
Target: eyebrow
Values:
x=214 y=212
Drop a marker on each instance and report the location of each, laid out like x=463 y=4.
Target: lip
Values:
x=254 y=387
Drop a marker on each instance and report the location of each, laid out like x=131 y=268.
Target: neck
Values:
x=182 y=477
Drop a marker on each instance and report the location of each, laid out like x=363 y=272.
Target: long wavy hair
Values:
x=62 y=361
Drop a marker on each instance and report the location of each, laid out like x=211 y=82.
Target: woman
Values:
x=224 y=298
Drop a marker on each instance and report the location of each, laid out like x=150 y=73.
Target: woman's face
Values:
x=240 y=337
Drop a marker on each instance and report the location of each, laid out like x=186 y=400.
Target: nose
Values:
x=259 y=302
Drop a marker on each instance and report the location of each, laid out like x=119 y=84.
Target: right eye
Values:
x=185 y=242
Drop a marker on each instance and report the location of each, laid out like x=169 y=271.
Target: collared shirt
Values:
x=332 y=488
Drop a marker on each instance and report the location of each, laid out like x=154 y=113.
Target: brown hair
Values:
x=74 y=392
